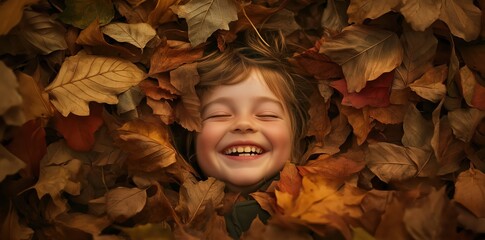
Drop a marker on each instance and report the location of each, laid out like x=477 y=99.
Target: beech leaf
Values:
x=9 y=163
x=364 y=53
x=359 y=10
x=205 y=17
x=123 y=203
x=195 y=196
x=392 y=162
x=462 y=17
x=11 y=12
x=419 y=52
x=84 y=78
x=470 y=191
x=430 y=86
x=137 y=34
x=80 y=13
x=421 y=13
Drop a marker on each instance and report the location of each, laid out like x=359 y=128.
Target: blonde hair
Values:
x=236 y=62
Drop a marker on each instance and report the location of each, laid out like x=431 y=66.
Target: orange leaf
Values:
x=167 y=57
x=318 y=65
x=29 y=145
x=319 y=124
x=334 y=167
x=375 y=93
x=290 y=180
x=79 y=130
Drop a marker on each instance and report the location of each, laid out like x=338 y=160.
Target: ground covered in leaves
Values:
x=90 y=88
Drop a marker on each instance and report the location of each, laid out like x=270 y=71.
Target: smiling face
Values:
x=246 y=133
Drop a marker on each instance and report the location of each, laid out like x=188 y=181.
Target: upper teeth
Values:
x=243 y=149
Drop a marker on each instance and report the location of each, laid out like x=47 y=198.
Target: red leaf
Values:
x=79 y=130
x=29 y=145
x=318 y=65
x=376 y=93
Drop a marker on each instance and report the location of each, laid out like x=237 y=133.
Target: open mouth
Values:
x=248 y=150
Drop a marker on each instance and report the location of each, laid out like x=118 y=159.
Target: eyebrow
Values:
x=227 y=100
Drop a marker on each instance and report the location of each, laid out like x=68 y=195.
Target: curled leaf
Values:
x=85 y=78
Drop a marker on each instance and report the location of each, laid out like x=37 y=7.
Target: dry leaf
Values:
x=290 y=180
x=417 y=131
x=472 y=90
x=470 y=191
x=35 y=101
x=462 y=17
x=391 y=224
x=147 y=144
x=162 y=13
x=473 y=55
x=195 y=196
x=168 y=57
x=11 y=227
x=162 y=109
x=359 y=10
x=334 y=17
x=11 y=12
x=392 y=114
x=430 y=86
x=420 y=14
x=319 y=123
x=337 y=168
x=123 y=203
x=205 y=17
x=360 y=121
x=8 y=91
x=464 y=122
x=149 y=231
x=419 y=52
x=318 y=65
x=364 y=53
x=137 y=34
x=85 y=78
x=9 y=163
x=449 y=151
x=129 y=100
x=91 y=224
x=187 y=111
x=340 y=130
x=259 y=231
x=80 y=13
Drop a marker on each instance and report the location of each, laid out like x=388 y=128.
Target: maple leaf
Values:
x=79 y=130
x=81 y=13
x=147 y=145
x=11 y=12
x=194 y=197
x=123 y=203
x=364 y=53
x=84 y=78
x=375 y=93
x=205 y=17
x=136 y=34
x=470 y=191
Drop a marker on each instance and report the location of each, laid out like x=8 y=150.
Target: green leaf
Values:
x=80 y=13
x=206 y=16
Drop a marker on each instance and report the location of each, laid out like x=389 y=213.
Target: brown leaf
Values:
x=78 y=131
x=473 y=91
x=392 y=114
x=434 y=206
x=417 y=131
x=137 y=34
x=462 y=17
x=147 y=144
x=91 y=224
x=290 y=180
x=420 y=14
x=337 y=168
x=450 y=151
x=360 y=121
x=12 y=228
x=430 y=86
x=163 y=110
x=157 y=207
x=123 y=203
x=195 y=196
x=187 y=111
x=157 y=91
x=9 y=163
x=172 y=55
x=334 y=17
x=29 y=145
x=364 y=53
x=318 y=65
x=267 y=201
x=148 y=231
x=35 y=101
x=470 y=191
x=161 y=13
x=319 y=123
x=340 y=130
x=391 y=223
x=8 y=91
x=464 y=122
x=259 y=231
x=359 y=10
x=11 y=12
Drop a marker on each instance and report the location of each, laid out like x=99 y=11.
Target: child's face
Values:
x=246 y=133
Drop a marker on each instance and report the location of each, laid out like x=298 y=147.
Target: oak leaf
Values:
x=359 y=10
x=137 y=34
x=81 y=13
x=430 y=86
x=364 y=53
x=205 y=17
x=462 y=17
x=11 y=12
x=375 y=93
x=78 y=131
x=123 y=203
x=419 y=52
x=420 y=13
x=84 y=78
x=147 y=144
x=194 y=198
x=470 y=191
x=172 y=55
x=187 y=111
x=9 y=163
x=392 y=162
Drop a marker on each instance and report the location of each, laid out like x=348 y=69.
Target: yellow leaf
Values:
x=85 y=78
x=205 y=17
x=123 y=203
x=364 y=53
x=137 y=34
x=470 y=191
x=11 y=12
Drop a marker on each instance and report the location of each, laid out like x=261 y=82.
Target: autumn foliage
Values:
x=90 y=90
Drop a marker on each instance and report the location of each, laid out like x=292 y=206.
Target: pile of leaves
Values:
x=90 y=90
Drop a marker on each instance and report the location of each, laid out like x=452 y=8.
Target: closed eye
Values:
x=218 y=116
x=268 y=116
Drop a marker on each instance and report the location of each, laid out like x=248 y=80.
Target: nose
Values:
x=243 y=125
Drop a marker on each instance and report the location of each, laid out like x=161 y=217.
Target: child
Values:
x=254 y=118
